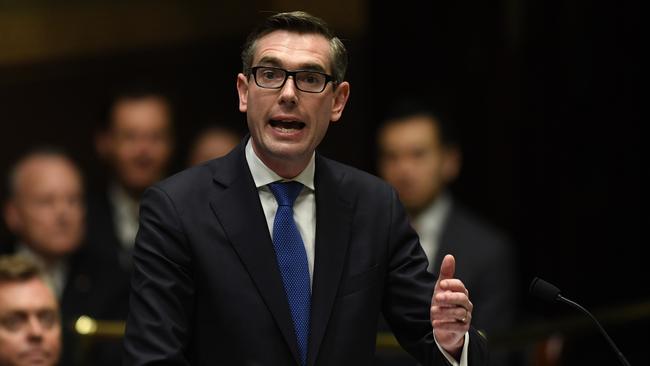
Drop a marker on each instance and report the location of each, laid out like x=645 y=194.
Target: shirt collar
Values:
x=433 y=217
x=124 y=203
x=263 y=175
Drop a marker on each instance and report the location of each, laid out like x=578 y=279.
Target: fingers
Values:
x=452 y=299
x=453 y=285
x=456 y=327
x=450 y=314
x=451 y=310
x=450 y=322
x=447 y=268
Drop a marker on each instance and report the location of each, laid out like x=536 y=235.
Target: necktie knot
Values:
x=286 y=192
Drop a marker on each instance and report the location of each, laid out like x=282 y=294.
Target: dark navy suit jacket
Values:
x=206 y=288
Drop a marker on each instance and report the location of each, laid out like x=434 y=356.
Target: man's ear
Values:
x=242 y=91
x=341 y=95
x=451 y=164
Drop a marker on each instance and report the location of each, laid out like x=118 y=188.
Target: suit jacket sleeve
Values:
x=408 y=291
x=161 y=301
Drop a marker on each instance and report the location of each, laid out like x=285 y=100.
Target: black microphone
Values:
x=547 y=292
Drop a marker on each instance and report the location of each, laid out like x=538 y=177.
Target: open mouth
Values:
x=287 y=125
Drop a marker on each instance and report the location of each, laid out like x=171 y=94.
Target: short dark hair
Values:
x=132 y=90
x=408 y=107
x=299 y=22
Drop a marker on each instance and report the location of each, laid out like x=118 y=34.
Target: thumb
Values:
x=447 y=268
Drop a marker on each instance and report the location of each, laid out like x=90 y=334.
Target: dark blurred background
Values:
x=546 y=95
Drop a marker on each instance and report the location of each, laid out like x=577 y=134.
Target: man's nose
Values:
x=34 y=328
x=63 y=208
x=288 y=91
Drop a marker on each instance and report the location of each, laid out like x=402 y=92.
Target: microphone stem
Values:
x=600 y=327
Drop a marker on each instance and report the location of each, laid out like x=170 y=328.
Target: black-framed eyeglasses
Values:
x=305 y=80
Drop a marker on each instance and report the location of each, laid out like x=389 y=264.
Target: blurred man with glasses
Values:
x=276 y=255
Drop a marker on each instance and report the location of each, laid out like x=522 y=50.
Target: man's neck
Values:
x=44 y=260
x=118 y=189
x=287 y=169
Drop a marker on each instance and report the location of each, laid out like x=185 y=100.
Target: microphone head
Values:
x=544 y=290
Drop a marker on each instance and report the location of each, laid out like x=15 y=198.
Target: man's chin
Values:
x=36 y=359
x=289 y=151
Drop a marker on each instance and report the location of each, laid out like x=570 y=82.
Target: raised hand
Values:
x=451 y=310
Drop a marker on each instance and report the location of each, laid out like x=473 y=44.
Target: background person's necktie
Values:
x=292 y=260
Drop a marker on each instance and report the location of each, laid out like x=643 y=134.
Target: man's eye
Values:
x=12 y=322
x=310 y=78
x=48 y=319
x=269 y=75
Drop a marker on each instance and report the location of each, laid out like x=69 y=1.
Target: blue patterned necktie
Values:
x=292 y=260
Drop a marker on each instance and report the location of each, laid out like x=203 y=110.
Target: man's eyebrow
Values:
x=270 y=61
x=15 y=312
x=275 y=62
x=312 y=67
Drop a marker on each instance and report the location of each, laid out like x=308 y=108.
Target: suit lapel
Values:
x=333 y=222
x=238 y=209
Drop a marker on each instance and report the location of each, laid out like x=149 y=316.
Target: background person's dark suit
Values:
x=206 y=288
x=485 y=264
x=101 y=231
x=94 y=288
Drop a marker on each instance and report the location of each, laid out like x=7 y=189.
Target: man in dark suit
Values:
x=419 y=155
x=135 y=142
x=275 y=255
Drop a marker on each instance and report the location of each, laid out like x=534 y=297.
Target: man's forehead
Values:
x=38 y=168
x=151 y=112
x=32 y=295
x=284 y=48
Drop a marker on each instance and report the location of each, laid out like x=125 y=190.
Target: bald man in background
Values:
x=45 y=211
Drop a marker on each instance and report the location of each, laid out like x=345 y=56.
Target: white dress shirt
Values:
x=304 y=213
x=429 y=224
x=125 y=215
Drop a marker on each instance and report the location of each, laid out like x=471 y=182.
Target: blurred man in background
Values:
x=30 y=328
x=135 y=141
x=45 y=212
x=420 y=157
x=212 y=142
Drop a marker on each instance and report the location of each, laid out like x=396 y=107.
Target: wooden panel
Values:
x=34 y=31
